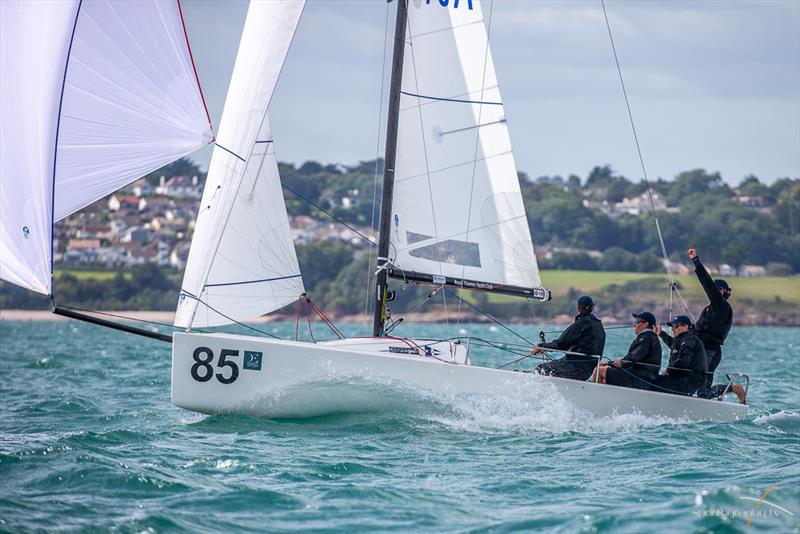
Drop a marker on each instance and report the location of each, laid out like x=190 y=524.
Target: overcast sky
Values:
x=713 y=84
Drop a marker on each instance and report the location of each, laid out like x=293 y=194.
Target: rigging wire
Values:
x=491 y=318
x=372 y=250
x=120 y=316
x=672 y=283
x=329 y=214
x=231 y=319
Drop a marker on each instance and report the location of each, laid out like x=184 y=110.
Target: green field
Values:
x=85 y=275
x=763 y=289
x=767 y=289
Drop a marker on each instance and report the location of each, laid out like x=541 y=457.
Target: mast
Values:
x=381 y=288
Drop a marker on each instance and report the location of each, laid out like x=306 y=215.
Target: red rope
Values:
x=308 y=318
x=297 y=323
x=324 y=318
x=194 y=67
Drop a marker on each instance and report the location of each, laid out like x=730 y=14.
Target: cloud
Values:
x=711 y=83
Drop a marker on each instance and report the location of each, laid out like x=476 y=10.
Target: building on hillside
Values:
x=83 y=244
x=548 y=252
x=630 y=206
x=676 y=267
x=180 y=187
x=752 y=202
x=155 y=205
x=123 y=202
x=752 y=271
x=141 y=188
x=135 y=234
x=179 y=255
x=96 y=231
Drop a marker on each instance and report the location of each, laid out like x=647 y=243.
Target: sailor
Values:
x=713 y=325
x=686 y=371
x=585 y=337
x=640 y=366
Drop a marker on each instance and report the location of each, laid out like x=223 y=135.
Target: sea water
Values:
x=89 y=442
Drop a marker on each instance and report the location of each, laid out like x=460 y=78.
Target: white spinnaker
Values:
x=457 y=205
x=34 y=39
x=129 y=103
x=257 y=273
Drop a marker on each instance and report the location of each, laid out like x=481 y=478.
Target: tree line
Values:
x=335 y=273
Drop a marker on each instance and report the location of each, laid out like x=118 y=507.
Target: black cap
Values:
x=645 y=316
x=722 y=284
x=680 y=319
x=586 y=302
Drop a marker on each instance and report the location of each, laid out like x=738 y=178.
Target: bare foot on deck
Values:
x=740 y=392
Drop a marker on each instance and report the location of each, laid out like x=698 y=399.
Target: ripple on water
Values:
x=92 y=444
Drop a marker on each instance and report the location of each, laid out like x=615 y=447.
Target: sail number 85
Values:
x=203 y=371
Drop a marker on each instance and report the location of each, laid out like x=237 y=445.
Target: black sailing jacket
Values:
x=715 y=322
x=687 y=356
x=585 y=335
x=645 y=349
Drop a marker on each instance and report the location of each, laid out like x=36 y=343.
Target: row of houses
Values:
x=141 y=225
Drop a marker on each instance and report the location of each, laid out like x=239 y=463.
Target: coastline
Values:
x=166 y=317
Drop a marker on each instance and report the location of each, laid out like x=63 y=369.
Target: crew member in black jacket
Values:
x=713 y=326
x=585 y=336
x=685 y=374
x=640 y=366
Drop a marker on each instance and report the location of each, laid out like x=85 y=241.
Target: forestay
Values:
x=93 y=96
x=242 y=261
x=457 y=205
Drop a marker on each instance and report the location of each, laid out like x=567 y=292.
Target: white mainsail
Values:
x=457 y=205
x=93 y=96
x=242 y=261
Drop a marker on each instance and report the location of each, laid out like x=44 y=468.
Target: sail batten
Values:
x=93 y=96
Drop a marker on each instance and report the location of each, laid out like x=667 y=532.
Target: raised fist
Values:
x=692 y=253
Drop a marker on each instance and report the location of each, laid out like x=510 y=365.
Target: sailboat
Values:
x=451 y=216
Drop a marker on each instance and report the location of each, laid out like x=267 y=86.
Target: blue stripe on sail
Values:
x=231 y=152
x=253 y=281
x=55 y=148
x=452 y=99
x=263 y=142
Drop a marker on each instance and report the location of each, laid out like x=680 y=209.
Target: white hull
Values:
x=288 y=379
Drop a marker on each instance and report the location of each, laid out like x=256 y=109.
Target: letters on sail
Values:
x=242 y=261
x=457 y=205
x=93 y=95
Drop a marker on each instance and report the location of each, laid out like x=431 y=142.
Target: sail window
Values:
x=450 y=251
x=412 y=237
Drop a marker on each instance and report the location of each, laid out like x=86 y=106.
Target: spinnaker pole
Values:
x=381 y=289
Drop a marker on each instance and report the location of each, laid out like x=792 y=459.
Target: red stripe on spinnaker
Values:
x=196 y=77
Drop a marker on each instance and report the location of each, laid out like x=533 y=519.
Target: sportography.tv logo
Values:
x=762 y=508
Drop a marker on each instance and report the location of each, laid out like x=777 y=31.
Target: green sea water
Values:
x=89 y=442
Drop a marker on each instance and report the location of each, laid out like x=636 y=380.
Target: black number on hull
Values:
x=204 y=363
x=204 y=358
x=227 y=363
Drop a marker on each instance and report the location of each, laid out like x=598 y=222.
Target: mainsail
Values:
x=457 y=209
x=242 y=261
x=93 y=96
